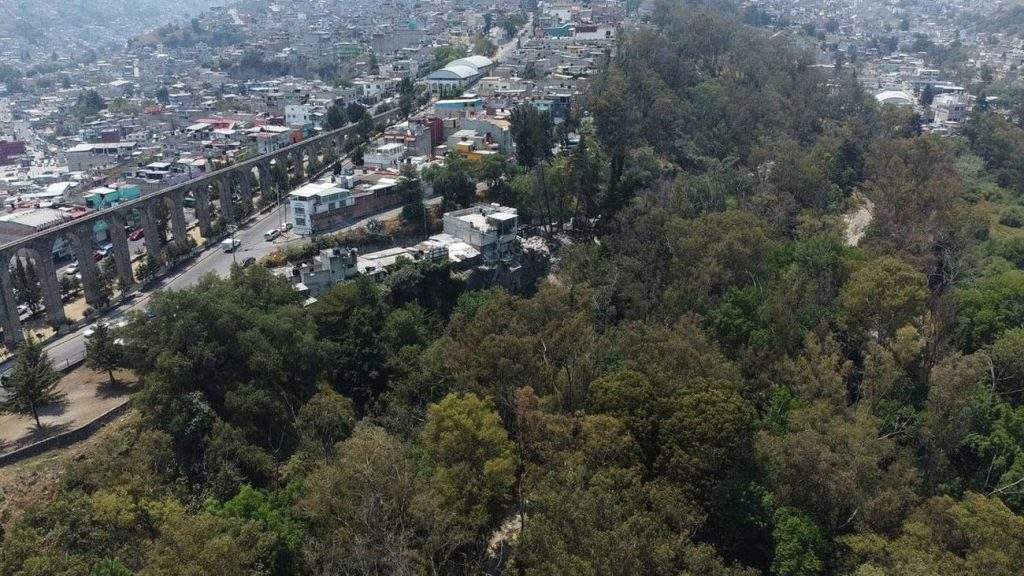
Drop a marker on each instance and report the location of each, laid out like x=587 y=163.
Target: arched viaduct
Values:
x=238 y=183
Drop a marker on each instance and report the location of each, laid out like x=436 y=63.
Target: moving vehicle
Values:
x=231 y=244
x=270 y=235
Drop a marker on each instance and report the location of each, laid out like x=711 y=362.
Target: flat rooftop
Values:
x=317 y=189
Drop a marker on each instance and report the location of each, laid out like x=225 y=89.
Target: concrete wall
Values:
x=365 y=205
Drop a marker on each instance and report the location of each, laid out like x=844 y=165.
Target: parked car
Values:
x=137 y=235
x=248 y=261
x=231 y=244
x=103 y=252
x=288 y=226
x=270 y=235
x=112 y=324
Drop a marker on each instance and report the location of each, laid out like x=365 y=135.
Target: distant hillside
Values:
x=71 y=22
x=1007 y=18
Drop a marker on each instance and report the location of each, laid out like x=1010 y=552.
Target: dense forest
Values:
x=715 y=380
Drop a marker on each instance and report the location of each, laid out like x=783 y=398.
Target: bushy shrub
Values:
x=1012 y=217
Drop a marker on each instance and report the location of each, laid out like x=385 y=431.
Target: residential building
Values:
x=10 y=152
x=272 y=138
x=378 y=264
x=21 y=223
x=459 y=108
x=298 y=115
x=328 y=268
x=98 y=155
x=313 y=199
x=387 y=155
x=949 y=108
x=488 y=228
x=103 y=197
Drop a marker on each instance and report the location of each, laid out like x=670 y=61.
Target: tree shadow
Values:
x=119 y=389
x=34 y=434
x=55 y=408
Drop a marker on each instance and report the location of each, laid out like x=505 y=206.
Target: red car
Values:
x=137 y=235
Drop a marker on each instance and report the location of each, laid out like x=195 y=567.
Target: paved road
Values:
x=71 y=347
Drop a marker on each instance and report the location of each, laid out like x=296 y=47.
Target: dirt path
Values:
x=858 y=220
x=88 y=395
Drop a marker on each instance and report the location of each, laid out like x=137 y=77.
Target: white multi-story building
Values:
x=298 y=114
x=387 y=155
x=374 y=87
x=315 y=198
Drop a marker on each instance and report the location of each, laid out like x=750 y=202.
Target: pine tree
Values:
x=336 y=118
x=26 y=284
x=102 y=353
x=32 y=382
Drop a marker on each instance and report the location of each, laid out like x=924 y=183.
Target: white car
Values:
x=270 y=235
x=113 y=325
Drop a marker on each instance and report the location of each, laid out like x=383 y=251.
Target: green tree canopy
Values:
x=32 y=382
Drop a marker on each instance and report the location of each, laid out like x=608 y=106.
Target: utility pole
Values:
x=280 y=211
x=234 y=249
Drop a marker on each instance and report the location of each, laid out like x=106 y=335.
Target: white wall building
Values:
x=315 y=198
x=298 y=114
x=388 y=155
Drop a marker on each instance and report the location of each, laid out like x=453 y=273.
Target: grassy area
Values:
x=994 y=211
x=36 y=481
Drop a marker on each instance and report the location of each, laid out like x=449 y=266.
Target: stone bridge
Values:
x=215 y=195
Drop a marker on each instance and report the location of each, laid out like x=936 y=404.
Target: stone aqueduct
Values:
x=239 y=181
